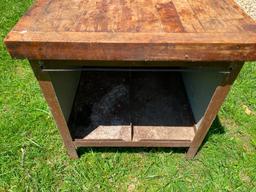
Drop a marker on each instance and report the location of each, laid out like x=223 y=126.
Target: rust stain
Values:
x=169 y=17
x=148 y=19
x=250 y=27
x=126 y=23
x=101 y=18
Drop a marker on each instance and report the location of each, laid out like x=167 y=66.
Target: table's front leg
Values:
x=53 y=103
x=213 y=108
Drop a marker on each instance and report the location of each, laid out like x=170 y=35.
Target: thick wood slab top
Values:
x=186 y=30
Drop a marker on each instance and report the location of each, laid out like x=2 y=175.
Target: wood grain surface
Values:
x=200 y=30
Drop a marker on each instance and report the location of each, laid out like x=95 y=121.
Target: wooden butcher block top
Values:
x=143 y=30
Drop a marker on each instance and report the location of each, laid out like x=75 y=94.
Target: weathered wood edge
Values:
x=94 y=143
x=133 y=47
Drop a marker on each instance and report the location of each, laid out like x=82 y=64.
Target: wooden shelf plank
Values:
x=115 y=133
x=156 y=133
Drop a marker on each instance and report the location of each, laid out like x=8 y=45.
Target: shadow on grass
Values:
x=83 y=151
x=216 y=128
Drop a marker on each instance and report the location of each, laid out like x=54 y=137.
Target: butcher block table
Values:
x=134 y=73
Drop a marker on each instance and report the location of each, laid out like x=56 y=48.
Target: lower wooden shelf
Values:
x=131 y=110
x=137 y=136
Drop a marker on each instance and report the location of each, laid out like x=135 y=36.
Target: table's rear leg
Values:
x=51 y=98
x=212 y=110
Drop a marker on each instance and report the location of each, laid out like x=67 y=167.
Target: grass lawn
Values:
x=32 y=156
